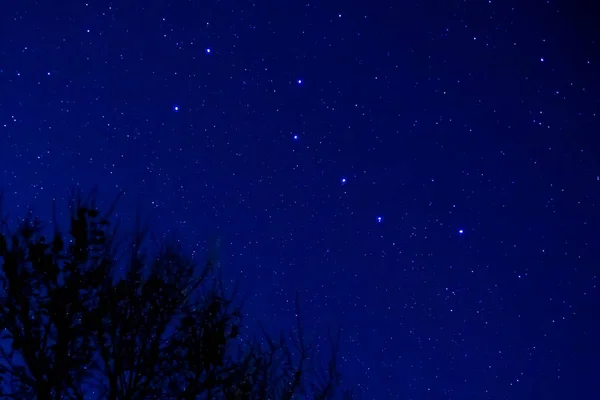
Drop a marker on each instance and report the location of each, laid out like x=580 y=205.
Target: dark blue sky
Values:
x=425 y=173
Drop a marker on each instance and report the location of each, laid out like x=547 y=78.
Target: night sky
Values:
x=425 y=173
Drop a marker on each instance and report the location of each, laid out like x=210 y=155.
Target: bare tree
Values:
x=80 y=314
x=49 y=289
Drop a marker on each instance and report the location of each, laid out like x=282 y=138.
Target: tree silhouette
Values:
x=93 y=315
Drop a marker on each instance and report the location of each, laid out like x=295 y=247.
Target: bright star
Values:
x=379 y=219
x=343 y=181
x=176 y=108
x=461 y=231
x=299 y=81
x=208 y=51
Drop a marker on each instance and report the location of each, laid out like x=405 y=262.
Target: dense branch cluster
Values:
x=85 y=315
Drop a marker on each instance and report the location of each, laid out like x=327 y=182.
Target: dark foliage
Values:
x=90 y=313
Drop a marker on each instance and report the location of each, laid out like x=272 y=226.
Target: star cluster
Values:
x=426 y=175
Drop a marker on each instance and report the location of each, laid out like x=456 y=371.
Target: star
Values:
x=208 y=50
x=461 y=231
x=176 y=108
x=295 y=137
x=299 y=81
x=343 y=181
x=379 y=219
